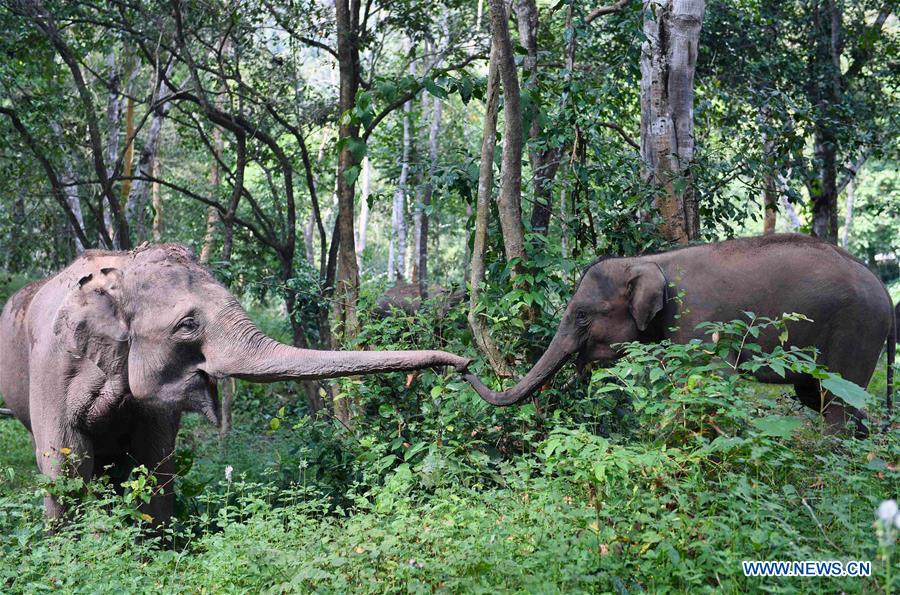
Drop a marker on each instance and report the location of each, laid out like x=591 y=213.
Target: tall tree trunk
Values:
x=397 y=247
x=139 y=191
x=848 y=215
x=509 y=203
x=346 y=293
x=128 y=159
x=113 y=122
x=157 y=202
x=424 y=203
x=544 y=161
x=668 y=60
x=827 y=93
x=70 y=188
x=824 y=195
x=313 y=222
x=363 y=210
x=482 y=214
x=212 y=214
x=770 y=190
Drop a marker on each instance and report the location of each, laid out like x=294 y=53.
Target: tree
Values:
x=509 y=203
x=397 y=248
x=668 y=59
x=480 y=332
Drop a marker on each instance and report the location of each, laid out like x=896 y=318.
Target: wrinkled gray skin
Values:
x=632 y=299
x=405 y=297
x=104 y=358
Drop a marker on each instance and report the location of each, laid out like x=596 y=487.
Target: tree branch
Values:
x=622 y=133
x=398 y=103
x=55 y=184
x=604 y=10
x=43 y=20
x=290 y=31
x=862 y=55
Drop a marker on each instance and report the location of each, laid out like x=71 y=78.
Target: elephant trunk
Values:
x=559 y=351
x=243 y=351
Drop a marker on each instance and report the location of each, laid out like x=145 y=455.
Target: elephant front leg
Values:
x=153 y=446
x=63 y=453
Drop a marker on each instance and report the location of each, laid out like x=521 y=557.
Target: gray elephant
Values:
x=100 y=361
x=407 y=298
x=633 y=299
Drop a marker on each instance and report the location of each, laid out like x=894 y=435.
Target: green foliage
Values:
x=662 y=475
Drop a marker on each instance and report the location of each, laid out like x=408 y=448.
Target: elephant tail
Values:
x=891 y=353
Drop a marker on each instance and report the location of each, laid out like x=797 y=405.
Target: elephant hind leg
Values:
x=837 y=414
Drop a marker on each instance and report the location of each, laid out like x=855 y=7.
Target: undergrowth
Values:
x=660 y=474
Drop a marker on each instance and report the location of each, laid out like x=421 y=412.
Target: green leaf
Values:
x=433 y=88
x=849 y=392
x=274 y=424
x=780 y=426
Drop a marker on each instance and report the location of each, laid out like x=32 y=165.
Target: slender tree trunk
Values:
x=70 y=189
x=482 y=214
x=770 y=190
x=157 y=202
x=668 y=60
x=139 y=191
x=824 y=195
x=509 y=198
x=544 y=161
x=113 y=121
x=786 y=206
x=212 y=214
x=397 y=247
x=134 y=217
x=848 y=215
x=128 y=160
x=363 y=210
x=347 y=286
x=312 y=222
x=827 y=95
x=424 y=204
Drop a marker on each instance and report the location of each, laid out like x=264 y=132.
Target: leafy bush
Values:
x=662 y=474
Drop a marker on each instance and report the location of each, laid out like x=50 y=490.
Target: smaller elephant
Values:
x=407 y=297
x=619 y=300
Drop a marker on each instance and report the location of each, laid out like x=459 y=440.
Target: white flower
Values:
x=887 y=511
x=229 y=470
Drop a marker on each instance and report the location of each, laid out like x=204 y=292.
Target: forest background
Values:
x=316 y=153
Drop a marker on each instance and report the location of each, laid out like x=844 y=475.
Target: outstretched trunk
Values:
x=240 y=350
x=559 y=351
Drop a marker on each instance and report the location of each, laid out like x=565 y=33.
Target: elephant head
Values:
x=616 y=301
x=159 y=325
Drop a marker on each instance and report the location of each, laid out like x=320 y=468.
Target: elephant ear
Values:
x=646 y=293
x=90 y=318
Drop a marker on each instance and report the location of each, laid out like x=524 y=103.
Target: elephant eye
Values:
x=187 y=325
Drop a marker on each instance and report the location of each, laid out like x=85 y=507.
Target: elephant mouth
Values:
x=599 y=355
x=207 y=404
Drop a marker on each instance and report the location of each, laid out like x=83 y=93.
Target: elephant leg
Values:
x=62 y=452
x=153 y=446
x=837 y=414
x=855 y=360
